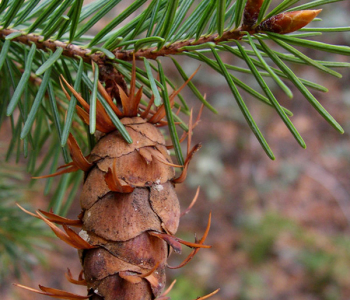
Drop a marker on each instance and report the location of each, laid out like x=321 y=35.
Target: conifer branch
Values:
x=69 y=50
x=74 y=51
x=179 y=47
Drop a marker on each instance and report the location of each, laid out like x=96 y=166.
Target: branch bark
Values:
x=74 y=51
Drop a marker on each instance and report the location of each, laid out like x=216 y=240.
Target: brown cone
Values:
x=128 y=263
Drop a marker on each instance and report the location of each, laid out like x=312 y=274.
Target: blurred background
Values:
x=280 y=229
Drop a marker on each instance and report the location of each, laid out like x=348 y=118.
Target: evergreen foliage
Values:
x=41 y=40
x=21 y=237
